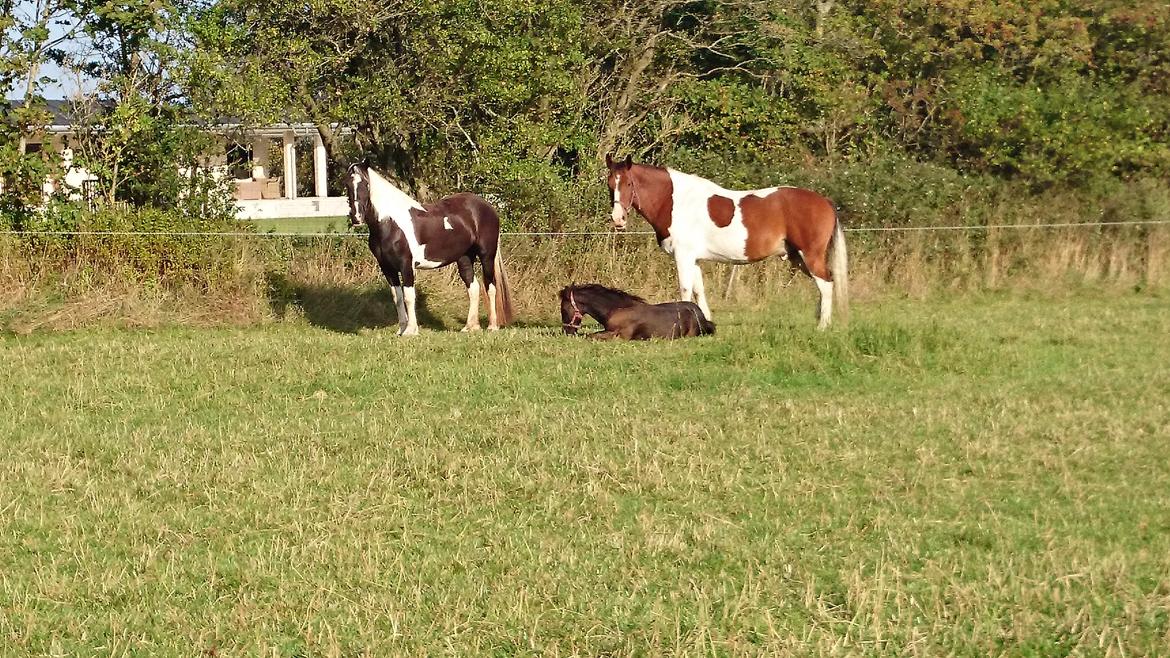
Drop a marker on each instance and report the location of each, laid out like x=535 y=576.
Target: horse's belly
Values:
x=727 y=245
x=435 y=255
x=424 y=264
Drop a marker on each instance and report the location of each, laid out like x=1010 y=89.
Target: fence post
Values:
x=1154 y=255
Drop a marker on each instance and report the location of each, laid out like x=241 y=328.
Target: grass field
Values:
x=303 y=225
x=977 y=475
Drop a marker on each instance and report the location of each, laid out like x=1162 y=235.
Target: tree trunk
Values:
x=823 y=9
x=630 y=91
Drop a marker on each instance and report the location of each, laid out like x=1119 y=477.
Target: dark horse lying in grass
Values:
x=626 y=316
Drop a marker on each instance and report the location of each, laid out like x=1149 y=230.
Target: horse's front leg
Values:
x=395 y=281
x=411 y=328
x=686 y=276
x=700 y=297
x=603 y=335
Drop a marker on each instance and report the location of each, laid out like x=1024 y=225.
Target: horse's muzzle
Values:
x=618 y=216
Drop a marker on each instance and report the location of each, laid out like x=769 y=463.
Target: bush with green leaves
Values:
x=143 y=244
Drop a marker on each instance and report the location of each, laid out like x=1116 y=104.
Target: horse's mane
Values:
x=610 y=295
x=362 y=196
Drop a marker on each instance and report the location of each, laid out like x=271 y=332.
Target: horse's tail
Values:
x=839 y=268
x=504 y=314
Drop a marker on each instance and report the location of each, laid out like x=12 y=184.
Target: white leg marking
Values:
x=473 y=306
x=825 y=310
x=700 y=296
x=493 y=321
x=411 y=328
x=619 y=213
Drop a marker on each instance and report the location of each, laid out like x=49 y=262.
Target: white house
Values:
x=243 y=154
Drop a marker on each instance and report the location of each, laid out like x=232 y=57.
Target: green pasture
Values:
x=301 y=225
x=968 y=475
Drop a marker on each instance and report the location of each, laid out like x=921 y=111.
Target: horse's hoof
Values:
x=493 y=328
x=471 y=328
x=409 y=331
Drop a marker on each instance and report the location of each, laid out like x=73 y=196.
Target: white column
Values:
x=290 y=165
x=320 y=172
x=259 y=158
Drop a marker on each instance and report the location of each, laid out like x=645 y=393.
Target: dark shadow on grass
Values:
x=344 y=309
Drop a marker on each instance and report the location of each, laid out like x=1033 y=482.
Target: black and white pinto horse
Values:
x=405 y=235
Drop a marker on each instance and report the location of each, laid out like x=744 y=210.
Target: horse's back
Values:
x=470 y=206
x=809 y=216
x=693 y=311
x=685 y=318
x=744 y=226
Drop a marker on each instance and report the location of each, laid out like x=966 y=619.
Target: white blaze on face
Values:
x=619 y=213
x=354 y=180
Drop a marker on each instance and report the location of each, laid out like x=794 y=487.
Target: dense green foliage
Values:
x=974 y=476
x=522 y=98
x=906 y=114
x=134 y=132
x=509 y=96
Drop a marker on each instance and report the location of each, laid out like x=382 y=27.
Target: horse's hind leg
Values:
x=467 y=273
x=686 y=276
x=489 y=284
x=819 y=271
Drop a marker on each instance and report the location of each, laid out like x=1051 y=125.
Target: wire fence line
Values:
x=278 y=234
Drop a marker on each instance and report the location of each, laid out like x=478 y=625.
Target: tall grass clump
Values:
x=74 y=265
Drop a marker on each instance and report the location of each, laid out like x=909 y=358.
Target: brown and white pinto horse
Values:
x=694 y=219
x=404 y=236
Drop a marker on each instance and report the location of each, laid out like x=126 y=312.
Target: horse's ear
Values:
x=629 y=161
x=609 y=161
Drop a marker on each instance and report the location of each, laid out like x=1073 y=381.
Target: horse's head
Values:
x=621 y=189
x=357 y=187
x=571 y=315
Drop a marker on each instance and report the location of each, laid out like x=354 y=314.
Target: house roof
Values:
x=63 y=114
x=59 y=109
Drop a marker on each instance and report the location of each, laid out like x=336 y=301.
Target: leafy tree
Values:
x=134 y=132
x=27 y=41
